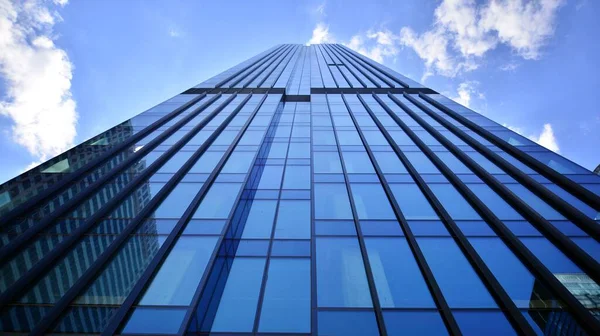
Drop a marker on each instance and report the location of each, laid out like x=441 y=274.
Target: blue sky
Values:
x=70 y=70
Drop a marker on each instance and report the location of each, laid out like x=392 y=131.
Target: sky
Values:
x=72 y=69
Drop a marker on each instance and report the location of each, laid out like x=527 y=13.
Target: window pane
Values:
x=389 y=163
x=516 y=280
x=341 y=277
x=397 y=276
x=331 y=201
x=493 y=201
x=179 y=275
x=175 y=204
x=414 y=323
x=341 y=323
x=259 y=222
x=218 y=201
x=154 y=321
x=453 y=202
x=271 y=177
x=358 y=162
x=371 y=202
x=483 y=323
x=421 y=163
x=238 y=162
x=297 y=177
x=535 y=202
x=286 y=303
x=240 y=296
x=412 y=202
x=459 y=283
x=327 y=162
x=293 y=220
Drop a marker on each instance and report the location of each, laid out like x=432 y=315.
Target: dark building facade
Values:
x=306 y=191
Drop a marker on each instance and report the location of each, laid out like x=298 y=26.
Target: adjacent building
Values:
x=306 y=191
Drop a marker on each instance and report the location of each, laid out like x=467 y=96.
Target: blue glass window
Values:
x=358 y=162
x=259 y=222
x=240 y=296
x=286 y=303
x=459 y=283
x=341 y=277
x=179 y=275
x=291 y=248
x=397 y=276
x=299 y=150
x=218 y=201
x=412 y=202
x=350 y=323
x=389 y=163
x=154 y=321
x=331 y=201
x=535 y=202
x=414 y=323
x=175 y=204
x=516 y=280
x=327 y=162
x=371 y=202
x=293 y=219
x=271 y=177
x=453 y=163
x=483 y=323
x=297 y=177
x=550 y=255
x=494 y=202
x=421 y=162
x=207 y=162
x=453 y=202
x=238 y=162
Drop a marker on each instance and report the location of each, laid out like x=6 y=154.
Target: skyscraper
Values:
x=307 y=190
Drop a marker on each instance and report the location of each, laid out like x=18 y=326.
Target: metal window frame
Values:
x=580 y=192
x=502 y=298
x=534 y=265
x=588 y=264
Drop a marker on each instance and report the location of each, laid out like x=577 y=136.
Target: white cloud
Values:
x=374 y=44
x=546 y=138
x=510 y=67
x=464 y=31
x=37 y=75
x=466 y=92
x=321 y=35
x=174 y=32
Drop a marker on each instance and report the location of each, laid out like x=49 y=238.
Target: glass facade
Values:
x=310 y=191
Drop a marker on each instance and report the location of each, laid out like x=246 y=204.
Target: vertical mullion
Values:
x=245 y=74
x=331 y=51
x=376 y=66
x=210 y=265
x=159 y=258
x=340 y=56
x=263 y=67
x=327 y=65
x=281 y=60
x=18 y=288
x=19 y=243
x=436 y=292
x=491 y=283
x=369 y=68
x=361 y=240
x=577 y=217
x=224 y=81
x=272 y=237
x=112 y=250
x=577 y=190
x=313 y=240
x=588 y=264
x=517 y=247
